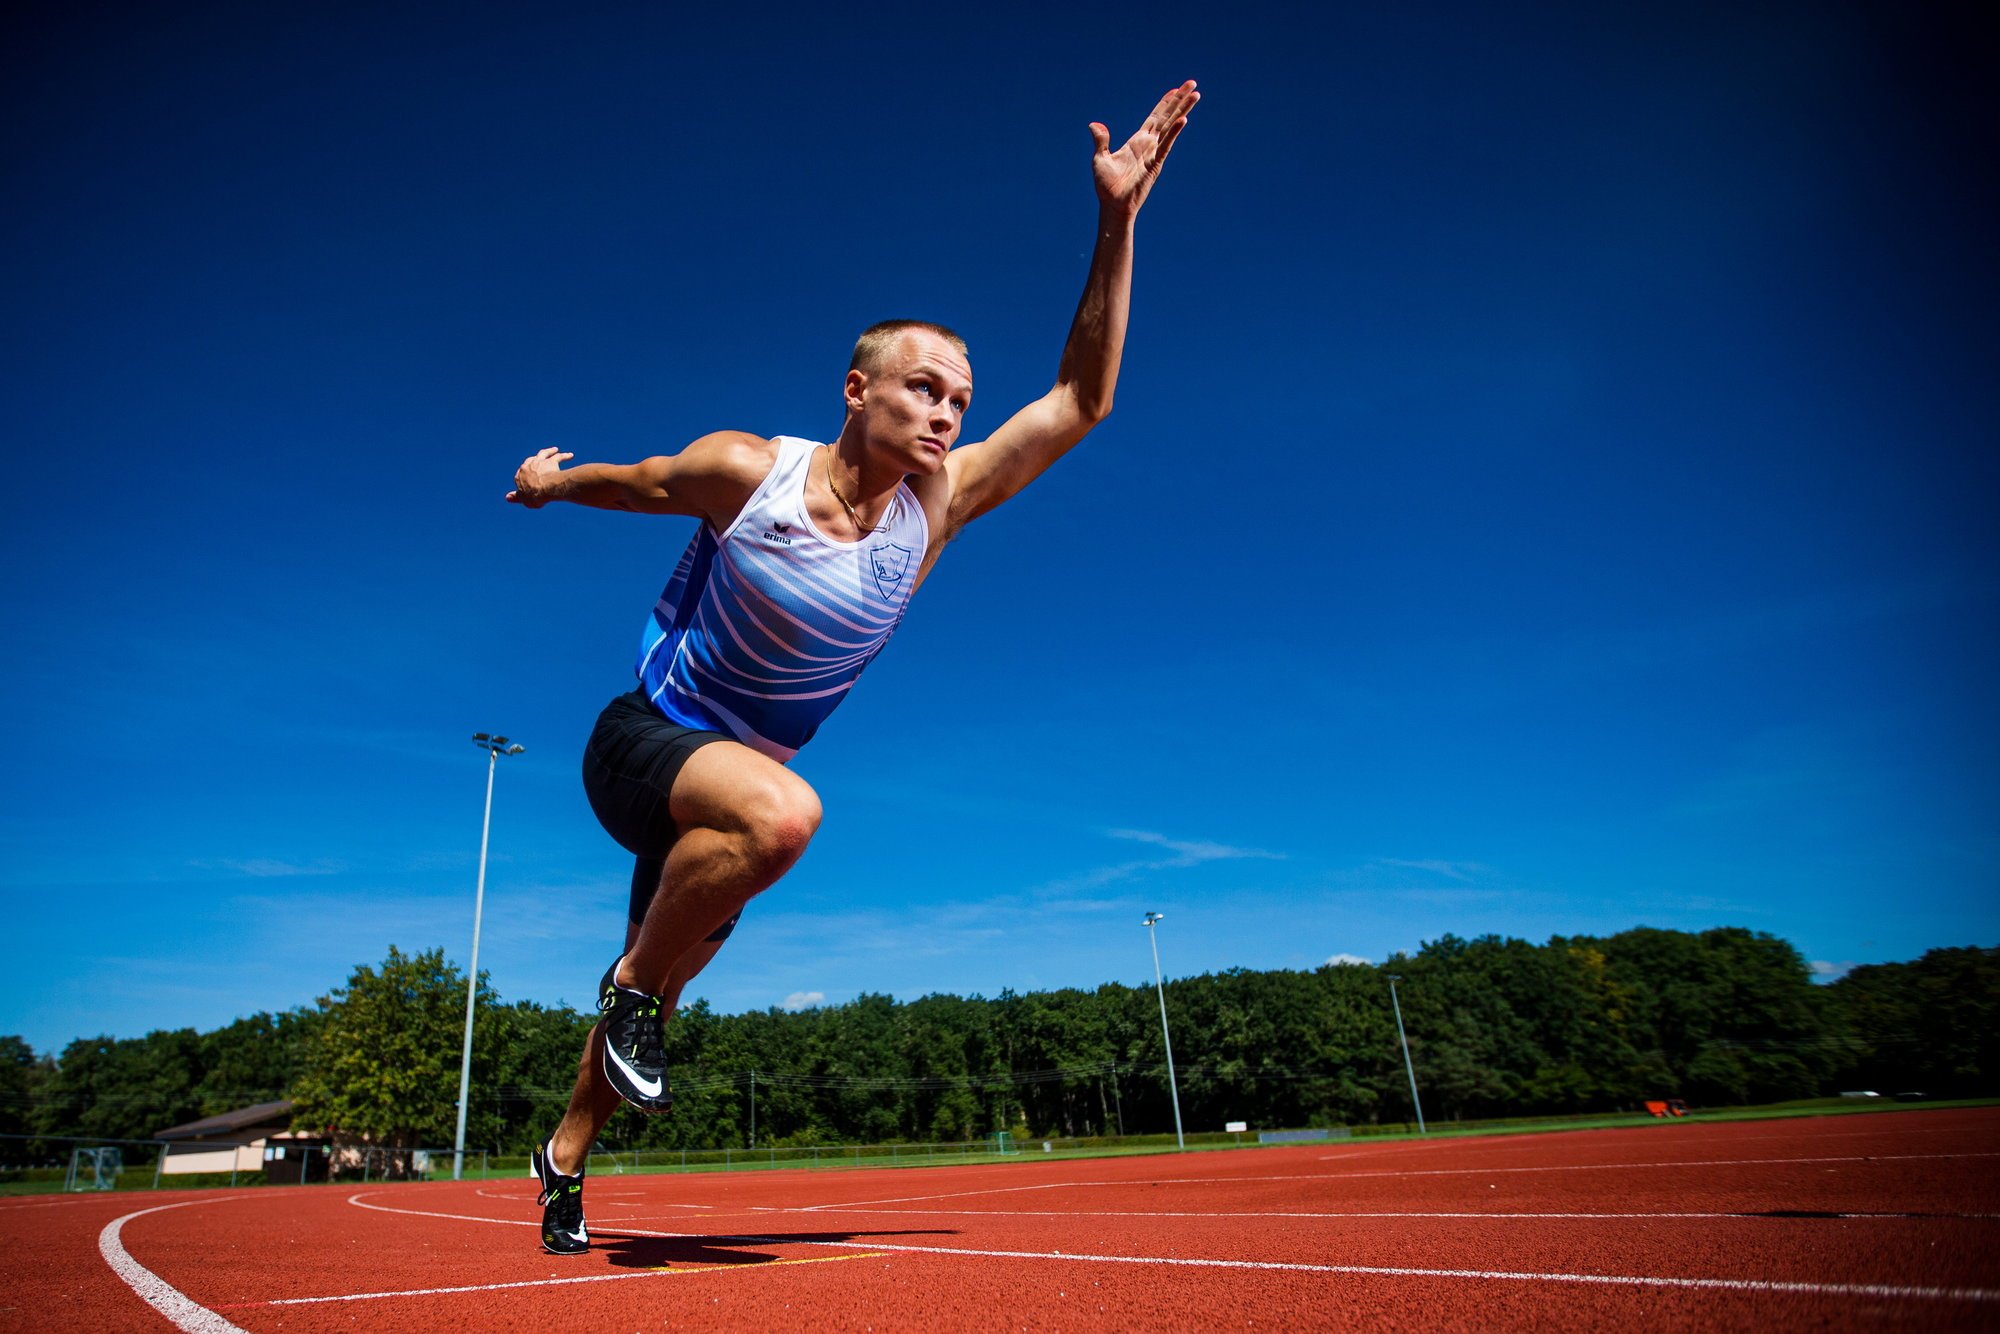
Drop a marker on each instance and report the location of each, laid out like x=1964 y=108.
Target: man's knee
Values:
x=780 y=816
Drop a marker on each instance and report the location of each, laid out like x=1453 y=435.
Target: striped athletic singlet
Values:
x=760 y=632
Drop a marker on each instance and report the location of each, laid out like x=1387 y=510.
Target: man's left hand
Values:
x=1125 y=177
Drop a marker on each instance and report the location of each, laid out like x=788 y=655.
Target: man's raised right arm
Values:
x=711 y=479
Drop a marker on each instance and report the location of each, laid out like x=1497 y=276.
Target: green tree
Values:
x=23 y=1081
x=1729 y=1014
x=516 y=1102
x=1932 y=1025
x=386 y=1063
x=122 y=1088
x=254 y=1060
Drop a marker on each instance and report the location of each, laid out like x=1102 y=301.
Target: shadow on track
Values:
x=624 y=1251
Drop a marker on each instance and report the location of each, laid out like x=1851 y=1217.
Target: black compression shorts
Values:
x=629 y=767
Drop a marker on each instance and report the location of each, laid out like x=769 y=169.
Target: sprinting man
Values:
x=804 y=562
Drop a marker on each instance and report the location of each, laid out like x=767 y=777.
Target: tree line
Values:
x=1496 y=1027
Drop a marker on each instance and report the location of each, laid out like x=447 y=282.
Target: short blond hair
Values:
x=877 y=340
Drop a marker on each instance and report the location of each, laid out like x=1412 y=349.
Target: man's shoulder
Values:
x=738 y=455
x=715 y=475
x=737 y=462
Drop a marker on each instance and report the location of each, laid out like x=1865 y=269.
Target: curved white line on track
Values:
x=1381 y=1271
x=1492 y=1144
x=161 y=1295
x=658 y=1271
x=360 y=1203
x=1749 y=1215
x=1400 y=1271
x=1388 y=1172
x=92 y=1198
x=1619 y=1167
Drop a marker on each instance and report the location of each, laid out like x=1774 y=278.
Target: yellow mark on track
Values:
x=766 y=1264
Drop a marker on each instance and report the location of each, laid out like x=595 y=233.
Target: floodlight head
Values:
x=1153 y=917
x=500 y=741
x=1393 y=977
x=514 y=749
x=480 y=736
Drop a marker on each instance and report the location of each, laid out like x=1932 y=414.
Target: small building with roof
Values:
x=228 y=1142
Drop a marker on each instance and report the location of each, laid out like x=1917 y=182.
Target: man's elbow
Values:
x=1089 y=407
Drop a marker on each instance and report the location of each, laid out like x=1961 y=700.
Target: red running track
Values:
x=1833 y=1222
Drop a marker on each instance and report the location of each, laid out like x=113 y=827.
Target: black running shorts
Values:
x=629 y=767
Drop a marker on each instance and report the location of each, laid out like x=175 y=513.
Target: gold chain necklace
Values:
x=859 y=526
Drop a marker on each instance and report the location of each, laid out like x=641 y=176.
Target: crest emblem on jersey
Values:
x=890 y=563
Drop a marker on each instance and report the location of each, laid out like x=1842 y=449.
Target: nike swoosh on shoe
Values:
x=649 y=1087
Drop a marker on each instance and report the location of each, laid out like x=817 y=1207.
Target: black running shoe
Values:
x=635 y=1058
x=563 y=1232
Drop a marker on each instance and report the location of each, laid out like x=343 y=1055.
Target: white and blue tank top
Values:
x=762 y=630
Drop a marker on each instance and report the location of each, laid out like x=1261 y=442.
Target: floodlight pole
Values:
x=1408 y=1068
x=1173 y=1086
x=495 y=747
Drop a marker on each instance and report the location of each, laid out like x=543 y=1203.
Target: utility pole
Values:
x=1173 y=1086
x=1408 y=1068
x=495 y=747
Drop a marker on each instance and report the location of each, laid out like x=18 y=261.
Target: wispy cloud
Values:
x=1450 y=870
x=1450 y=897
x=1181 y=853
x=1339 y=959
x=1192 y=854
x=1826 y=970
x=264 y=868
x=804 y=1000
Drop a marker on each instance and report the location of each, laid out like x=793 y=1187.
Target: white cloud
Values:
x=1451 y=870
x=804 y=1000
x=1339 y=960
x=1181 y=854
x=267 y=867
x=1451 y=897
x=1192 y=854
x=1825 y=970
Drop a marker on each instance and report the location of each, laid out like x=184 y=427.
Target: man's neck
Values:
x=861 y=478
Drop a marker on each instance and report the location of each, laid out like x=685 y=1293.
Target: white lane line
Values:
x=1619 y=1167
x=1500 y=1146
x=1401 y=1271
x=654 y=1271
x=989 y=1190
x=357 y=1201
x=1389 y=1271
x=162 y=1296
x=1394 y=1172
x=92 y=1198
x=1747 y=1214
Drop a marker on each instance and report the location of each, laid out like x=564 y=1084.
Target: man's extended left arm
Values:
x=994 y=469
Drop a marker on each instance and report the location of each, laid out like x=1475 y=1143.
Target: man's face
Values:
x=913 y=403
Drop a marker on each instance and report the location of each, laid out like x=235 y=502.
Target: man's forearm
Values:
x=1090 y=358
x=604 y=486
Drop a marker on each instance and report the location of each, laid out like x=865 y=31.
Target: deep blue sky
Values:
x=1551 y=489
